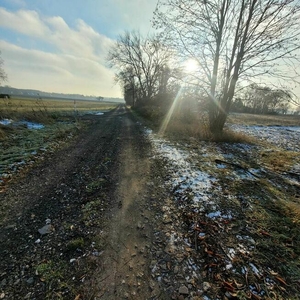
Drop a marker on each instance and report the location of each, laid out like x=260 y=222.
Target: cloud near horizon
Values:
x=73 y=62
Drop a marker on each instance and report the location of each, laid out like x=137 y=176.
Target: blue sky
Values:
x=61 y=45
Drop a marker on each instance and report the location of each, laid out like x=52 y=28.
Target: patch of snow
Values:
x=96 y=112
x=231 y=253
x=6 y=122
x=254 y=269
x=186 y=177
x=286 y=137
x=31 y=125
x=218 y=214
x=221 y=166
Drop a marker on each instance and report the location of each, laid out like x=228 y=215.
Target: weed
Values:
x=74 y=244
x=91 y=212
x=95 y=185
x=48 y=271
x=280 y=159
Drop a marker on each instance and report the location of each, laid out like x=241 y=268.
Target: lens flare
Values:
x=167 y=118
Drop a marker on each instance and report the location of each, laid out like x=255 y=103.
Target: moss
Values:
x=74 y=244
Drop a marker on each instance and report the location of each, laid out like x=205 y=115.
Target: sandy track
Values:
x=114 y=152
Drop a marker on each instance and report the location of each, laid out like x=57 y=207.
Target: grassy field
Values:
x=18 y=145
x=264 y=120
x=30 y=108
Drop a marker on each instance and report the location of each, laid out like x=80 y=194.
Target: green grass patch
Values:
x=75 y=244
x=49 y=271
x=96 y=185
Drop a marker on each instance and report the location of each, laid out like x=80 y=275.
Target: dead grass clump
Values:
x=280 y=160
x=2 y=134
x=198 y=128
x=264 y=120
x=229 y=136
x=5 y=131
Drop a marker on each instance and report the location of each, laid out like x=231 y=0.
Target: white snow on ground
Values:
x=286 y=137
x=6 y=122
x=186 y=176
x=29 y=125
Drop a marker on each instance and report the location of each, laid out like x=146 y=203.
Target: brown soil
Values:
x=96 y=193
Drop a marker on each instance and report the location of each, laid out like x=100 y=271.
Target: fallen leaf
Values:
x=281 y=280
x=265 y=233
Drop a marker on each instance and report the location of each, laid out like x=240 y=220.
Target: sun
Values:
x=190 y=65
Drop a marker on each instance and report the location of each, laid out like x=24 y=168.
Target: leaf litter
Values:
x=234 y=215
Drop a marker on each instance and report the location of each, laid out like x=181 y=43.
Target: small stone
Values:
x=3 y=282
x=45 y=229
x=153 y=295
x=2 y=295
x=48 y=221
x=206 y=286
x=37 y=241
x=72 y=260
x=140 y=225
x=30 y=281
x=183 y=290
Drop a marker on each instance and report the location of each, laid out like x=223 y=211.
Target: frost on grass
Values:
x=186 y=178
x=26 y=124
x=286 y=137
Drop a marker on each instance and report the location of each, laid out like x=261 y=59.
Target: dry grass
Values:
x=280 y=160
x=17 y=108
x=45 y=111
x=266 y=120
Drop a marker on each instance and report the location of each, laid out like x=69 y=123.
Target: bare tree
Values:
x=265 y=100
x=231 y=40
x=140 y=63
x=3 y=76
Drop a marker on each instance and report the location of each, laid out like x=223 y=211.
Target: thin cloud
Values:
x=56 y=72
x=76 y=66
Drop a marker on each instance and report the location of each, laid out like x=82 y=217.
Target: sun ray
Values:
x=167 y=118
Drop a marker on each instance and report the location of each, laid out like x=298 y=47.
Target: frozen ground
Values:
x=286 y=137
x=202 y=178
x=27 y=124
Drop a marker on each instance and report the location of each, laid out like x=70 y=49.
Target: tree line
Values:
x=259 y=99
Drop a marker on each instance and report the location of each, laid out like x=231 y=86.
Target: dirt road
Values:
x=79 y=225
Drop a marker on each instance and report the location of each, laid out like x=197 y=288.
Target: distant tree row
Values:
x=258 y=99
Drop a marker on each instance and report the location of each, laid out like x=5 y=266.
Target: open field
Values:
x=16 y=107
x=266 y=120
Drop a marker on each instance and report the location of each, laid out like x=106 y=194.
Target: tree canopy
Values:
x=142 y=66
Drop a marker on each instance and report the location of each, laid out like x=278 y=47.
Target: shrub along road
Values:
x=79 y=224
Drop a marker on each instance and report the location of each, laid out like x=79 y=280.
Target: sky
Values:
x=61 y=45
